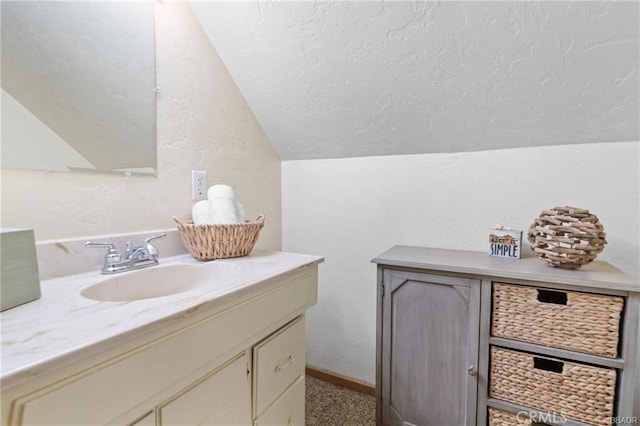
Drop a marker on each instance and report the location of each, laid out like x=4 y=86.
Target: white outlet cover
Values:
x=198 y=185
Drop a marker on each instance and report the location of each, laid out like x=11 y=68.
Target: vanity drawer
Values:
x=222 y=398
x=578 y=391
x=278 y=361
x=581 y=322
x=288 y=410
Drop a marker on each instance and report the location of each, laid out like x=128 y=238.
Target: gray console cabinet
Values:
x=433 y=333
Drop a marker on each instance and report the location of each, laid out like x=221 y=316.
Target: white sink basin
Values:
x=157 y=281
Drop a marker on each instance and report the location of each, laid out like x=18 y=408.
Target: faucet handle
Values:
x=154 y=237
x=112 y=256
x=91 y=244
x=151 y=249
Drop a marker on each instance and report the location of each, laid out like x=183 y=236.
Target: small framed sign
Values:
x=505 y=242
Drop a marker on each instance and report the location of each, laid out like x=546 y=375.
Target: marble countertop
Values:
x=60 y=326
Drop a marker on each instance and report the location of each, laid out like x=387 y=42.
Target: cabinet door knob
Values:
x=472 y=370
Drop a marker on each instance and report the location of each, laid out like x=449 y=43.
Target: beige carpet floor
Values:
x=331 y=405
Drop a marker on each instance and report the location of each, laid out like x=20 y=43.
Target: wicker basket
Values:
x=504 y=418
x=578 y=391
x=208 y=242
x=581 y=322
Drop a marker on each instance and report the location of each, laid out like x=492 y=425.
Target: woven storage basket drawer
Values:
x=504 y=418
x=577 y=391
x=581 y=322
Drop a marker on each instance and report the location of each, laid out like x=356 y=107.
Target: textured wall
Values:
x=204 y=123
x=349 y=79
x=351 y=210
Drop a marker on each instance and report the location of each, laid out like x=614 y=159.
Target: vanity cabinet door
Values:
x=428 y=326
x=221 y=398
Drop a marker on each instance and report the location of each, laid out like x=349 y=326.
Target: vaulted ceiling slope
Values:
x=349 y=79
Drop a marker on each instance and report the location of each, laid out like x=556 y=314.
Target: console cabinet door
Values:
x=429 y=350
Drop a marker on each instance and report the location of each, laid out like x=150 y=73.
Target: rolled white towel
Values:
x=222 y=205
x=200 y=212
x=223 y=219
x=202 y=220
x=220 y=191
x=223 y=211
x=200 y=208
x=240 y=211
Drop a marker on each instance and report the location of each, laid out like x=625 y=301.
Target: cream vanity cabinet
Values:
x=239 y=363
x=464 y=338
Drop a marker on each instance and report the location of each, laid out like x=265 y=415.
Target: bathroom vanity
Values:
x=464 y=338
x=229 y=350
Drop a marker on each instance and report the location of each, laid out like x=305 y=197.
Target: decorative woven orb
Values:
x=567 y=237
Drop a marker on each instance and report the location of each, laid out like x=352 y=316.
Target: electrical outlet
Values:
x=198 y=185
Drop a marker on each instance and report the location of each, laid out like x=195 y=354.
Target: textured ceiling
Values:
x=348 y=79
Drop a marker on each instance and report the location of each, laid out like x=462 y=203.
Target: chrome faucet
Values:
x=133 y=258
